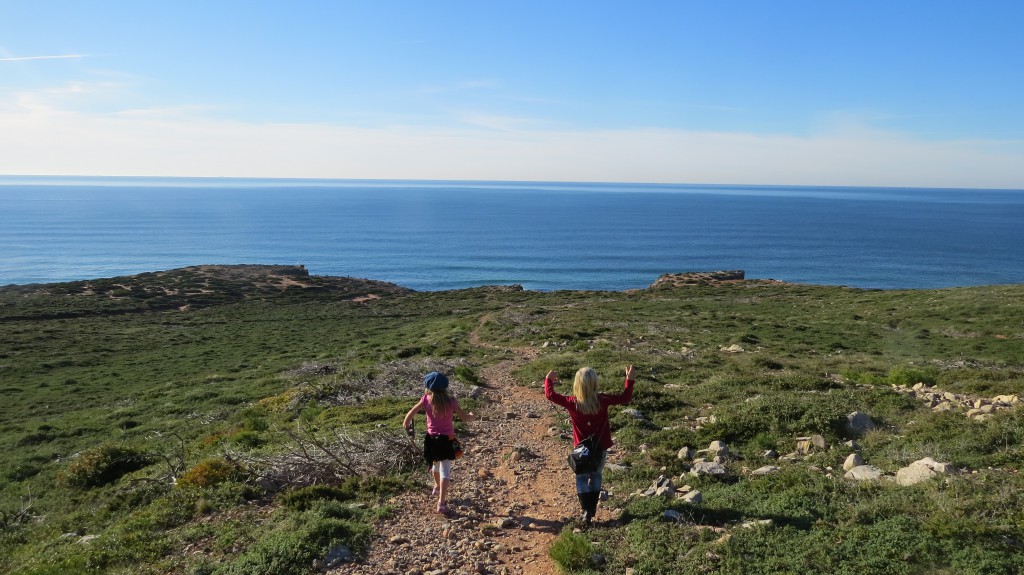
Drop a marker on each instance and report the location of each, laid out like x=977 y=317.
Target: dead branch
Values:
x=330 y=457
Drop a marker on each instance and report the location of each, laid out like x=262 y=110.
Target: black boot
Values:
x=588 y=502
x=591 y=512
x=585 y=505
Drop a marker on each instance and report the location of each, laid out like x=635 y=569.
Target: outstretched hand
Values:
x=631 y=373
x=552 y=376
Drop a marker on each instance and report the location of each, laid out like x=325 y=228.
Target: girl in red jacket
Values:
x=588 y=413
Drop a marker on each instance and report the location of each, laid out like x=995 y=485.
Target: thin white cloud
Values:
x=499 y=122
x=52 y=140
x=57 y=57
x=466 y=85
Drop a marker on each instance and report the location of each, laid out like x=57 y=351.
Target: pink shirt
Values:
x=442 y=424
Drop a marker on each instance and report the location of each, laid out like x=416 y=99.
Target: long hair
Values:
x=440 y=402
x=584 y=387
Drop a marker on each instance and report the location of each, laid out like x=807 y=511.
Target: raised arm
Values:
x=627 y=389
x=549 y=390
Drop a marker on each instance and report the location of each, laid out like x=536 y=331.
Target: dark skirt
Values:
x=437 y=448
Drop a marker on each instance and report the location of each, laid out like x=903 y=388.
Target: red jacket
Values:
x=585 y=424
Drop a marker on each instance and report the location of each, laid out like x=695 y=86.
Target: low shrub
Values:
x=911 y=375
x=208 y=473
x=571 y=551
x=466 y=375
x=103 y=465
x=303 y=498
x=291 y=547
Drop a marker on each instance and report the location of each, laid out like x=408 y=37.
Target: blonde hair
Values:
x=584 y=387
x=440 y=402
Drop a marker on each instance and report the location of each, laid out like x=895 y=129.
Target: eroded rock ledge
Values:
x=699 y=278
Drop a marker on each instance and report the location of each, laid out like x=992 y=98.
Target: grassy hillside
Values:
x=115 y=388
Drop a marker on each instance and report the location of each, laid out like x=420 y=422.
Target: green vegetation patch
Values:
x=130 y=404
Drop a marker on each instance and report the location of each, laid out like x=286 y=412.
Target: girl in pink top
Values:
x=438 y=449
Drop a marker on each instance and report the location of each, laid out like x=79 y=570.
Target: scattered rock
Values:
x=718 y=449
x=734 y=348
x=661 y=487
x=685 y=454
x=864 y=473
x=858 y=423
x=854 y=460
x=922 y=470
x=694 y=496
x=672 y=516
x=770 y=454
x=753 y=523
x=338 y=555
x=708 y=468
x=635 y=414
x=805 y=445
x=766 y=470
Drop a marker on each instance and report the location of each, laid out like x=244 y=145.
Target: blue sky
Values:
x=900 y=93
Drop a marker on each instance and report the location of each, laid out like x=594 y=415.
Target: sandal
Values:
x=442 y=508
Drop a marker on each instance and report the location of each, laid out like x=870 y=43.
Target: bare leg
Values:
x=444 y=471
x=442 y=498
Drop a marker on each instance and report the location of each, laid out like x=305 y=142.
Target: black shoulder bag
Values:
x=585 y=457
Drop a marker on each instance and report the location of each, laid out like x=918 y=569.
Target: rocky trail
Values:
x=512 y=493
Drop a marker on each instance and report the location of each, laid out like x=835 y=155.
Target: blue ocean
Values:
x=438 y=235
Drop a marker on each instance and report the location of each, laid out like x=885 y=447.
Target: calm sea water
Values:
x=443 y=235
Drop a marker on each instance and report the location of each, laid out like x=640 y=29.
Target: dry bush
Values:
x=330 y=457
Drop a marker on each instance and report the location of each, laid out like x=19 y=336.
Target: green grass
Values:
x=110 y=391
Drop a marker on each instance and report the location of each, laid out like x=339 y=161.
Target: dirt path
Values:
x=511 y=493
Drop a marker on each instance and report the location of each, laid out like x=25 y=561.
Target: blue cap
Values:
x=435 y=381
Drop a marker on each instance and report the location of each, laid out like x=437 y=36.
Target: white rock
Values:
x=718 y=448
x=859 y=423
x=666 y=491
x=864 y=473
x=766 y=470
x=854 y=460
x=805 y=445
x=693 y=497
x=708 y=468
x=921 y=470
